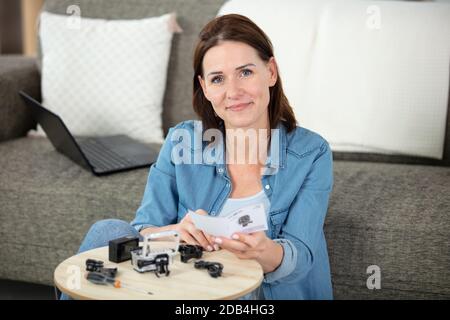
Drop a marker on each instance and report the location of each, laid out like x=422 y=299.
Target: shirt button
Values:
x=267 y=187
x=220 y=170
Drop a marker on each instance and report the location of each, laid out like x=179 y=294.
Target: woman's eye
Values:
x=246 y=72
x=217 y=79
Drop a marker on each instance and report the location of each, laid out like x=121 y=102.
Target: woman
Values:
x=237 y=90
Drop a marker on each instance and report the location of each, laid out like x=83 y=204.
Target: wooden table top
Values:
x=239 y=277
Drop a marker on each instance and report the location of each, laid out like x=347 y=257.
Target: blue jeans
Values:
x=101 y=233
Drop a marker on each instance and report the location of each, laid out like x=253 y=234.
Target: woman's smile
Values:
x=239 y=107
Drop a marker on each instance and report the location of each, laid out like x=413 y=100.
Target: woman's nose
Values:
x=234 y=89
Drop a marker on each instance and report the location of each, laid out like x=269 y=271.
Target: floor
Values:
x=15 y=290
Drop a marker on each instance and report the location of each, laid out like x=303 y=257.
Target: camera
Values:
x=120 y=249
x=145 y=259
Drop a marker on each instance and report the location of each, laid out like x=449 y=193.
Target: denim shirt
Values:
x=297 y=180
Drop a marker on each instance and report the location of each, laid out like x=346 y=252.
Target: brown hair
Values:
x=235 y=27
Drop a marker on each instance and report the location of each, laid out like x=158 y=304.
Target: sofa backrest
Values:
x=192 y=16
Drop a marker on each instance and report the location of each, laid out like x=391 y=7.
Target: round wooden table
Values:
x=239 y=277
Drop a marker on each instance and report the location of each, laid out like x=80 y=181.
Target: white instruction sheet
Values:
x=247 y=219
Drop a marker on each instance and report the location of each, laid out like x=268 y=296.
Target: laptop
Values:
x=100 y=155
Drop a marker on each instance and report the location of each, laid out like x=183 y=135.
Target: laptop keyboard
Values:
x=102 y=157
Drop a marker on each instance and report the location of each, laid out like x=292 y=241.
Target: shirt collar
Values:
x=276 y=154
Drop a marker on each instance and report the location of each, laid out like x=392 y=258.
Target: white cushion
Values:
x=368 y=76
x=106 y=77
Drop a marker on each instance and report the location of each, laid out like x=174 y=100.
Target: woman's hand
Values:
x=254 y=246
x=191 y=235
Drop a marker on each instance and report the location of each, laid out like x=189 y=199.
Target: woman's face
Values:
x=236 y=82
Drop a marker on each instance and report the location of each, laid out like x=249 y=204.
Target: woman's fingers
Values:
x=210 y=240
x=253 y=240
x=199 y=237
x=230 y=244
x=207 y=236
x=186 y=237
x=201 y=211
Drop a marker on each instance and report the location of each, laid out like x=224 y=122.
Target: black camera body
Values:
x=120 y=249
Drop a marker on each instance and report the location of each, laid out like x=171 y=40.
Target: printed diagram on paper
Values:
x=247 y=219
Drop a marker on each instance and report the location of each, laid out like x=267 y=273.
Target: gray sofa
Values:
x=392 y=212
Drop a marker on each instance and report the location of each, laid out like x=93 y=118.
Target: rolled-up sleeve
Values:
x=301 y=233
x=288 y=263
x=160 y=200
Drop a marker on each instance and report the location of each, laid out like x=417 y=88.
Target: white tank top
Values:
x=233 y=204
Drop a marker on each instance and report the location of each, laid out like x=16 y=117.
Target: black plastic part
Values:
x=189 y=251
x=214 y=268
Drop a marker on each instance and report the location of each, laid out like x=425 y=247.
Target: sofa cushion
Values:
x=48 y=203
x=192 y=15
x=106 y=77
x=366 y=110
x=393 y=216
